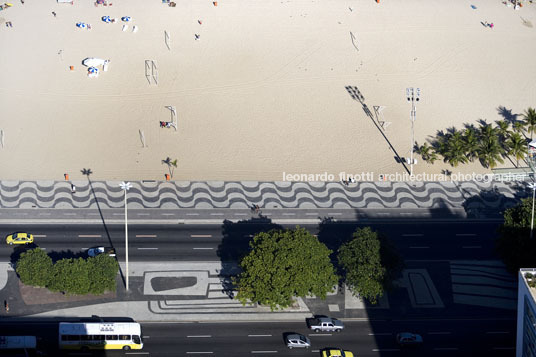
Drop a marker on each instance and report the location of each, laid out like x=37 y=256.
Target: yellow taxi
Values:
x=19 y=238
x=336 y=352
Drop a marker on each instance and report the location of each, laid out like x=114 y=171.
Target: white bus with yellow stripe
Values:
x=100 y=335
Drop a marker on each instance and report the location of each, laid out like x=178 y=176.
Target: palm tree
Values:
x=517 y=147
x=518 y=126
x=470 y=136
x=427 y=152
x=529 y=118
x=490 y=151
x=172 y=165
x=455 y=150
x=502 y=129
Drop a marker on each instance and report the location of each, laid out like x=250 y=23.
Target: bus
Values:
x=100 y=335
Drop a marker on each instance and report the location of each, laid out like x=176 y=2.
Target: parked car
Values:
x=19 y=238
x=408 y=339
x=336 y=352
x=93 y=252
x=325 y=324
x=296 y=340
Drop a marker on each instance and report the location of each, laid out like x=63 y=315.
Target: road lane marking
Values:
x=89 y=236
x=199 y=336
x=497 y=332
x=43 y=249
x=66 y=214
x=135 y=353
x=439 y=333
x=263 y=351
x=216 y=214
x=249 y=235
x=145 y=235
x=336 y=214
x=148 y=248
x=315 y=351
x=191 y=353
x=142 y=214
x=465 y=234
x=412 y=235
x=202 y=248
x=192 y=214
x=259 y=335
x=472 y=247
x=39 y=235
x=381 y=334
x=288 y=214
x=240 y=214
x=168 y=214
x=93 y=214
x=312 y=214
x=201 y=235
x=118 y=214
x=419 y=247
x=45 y=214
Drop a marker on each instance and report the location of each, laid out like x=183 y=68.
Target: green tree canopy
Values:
x=284 y=264
x=34 y=267
x=70 y=276
x=370 y=263
x=103 y=270
x=514 y=245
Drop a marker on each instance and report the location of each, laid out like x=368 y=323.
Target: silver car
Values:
x=296 y=340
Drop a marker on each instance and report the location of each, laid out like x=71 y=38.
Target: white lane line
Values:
x=192 y=214
x=315 y=351
x=43 y=249
x=263 y=351
x=202 y=248
x=240 y=214
x=146 y=336
x=93 y=214
x=439 y=333
x=68 y=214
x=216 y=214
x=259 y=335
x=385 y=350
x=419 y=247
x=89 y=236
x=148 y=248
x=145 y=235
x=380 y=334
x=199 y=336
x=412 y=235
x=497 y=332
x=118 y=214
x=201 y=235
x=136 y=353
x=472 y=247
x=288 y=214
x=336 y=214
x=311 y=214
x=192 y=353
x=446 y=349
x=142 y=214
x=465 y=234
x=45 y=214
x=168 y=214
x=39 y=235
x=249 y=235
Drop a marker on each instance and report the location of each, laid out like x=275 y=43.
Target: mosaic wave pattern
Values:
x=243 y=194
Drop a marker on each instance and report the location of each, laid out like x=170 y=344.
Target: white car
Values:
x=296 y=340
x=93 y=252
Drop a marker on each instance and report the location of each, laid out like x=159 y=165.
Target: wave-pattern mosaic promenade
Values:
x=244 y=194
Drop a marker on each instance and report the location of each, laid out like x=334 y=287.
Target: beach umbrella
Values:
x=81 y=25
x=126 y=18
x=106 y=19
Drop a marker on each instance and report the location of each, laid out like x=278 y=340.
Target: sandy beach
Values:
x=261 y=92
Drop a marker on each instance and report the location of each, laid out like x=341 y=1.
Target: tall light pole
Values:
x=533 y=186
x=126 y=186
x=413 y=95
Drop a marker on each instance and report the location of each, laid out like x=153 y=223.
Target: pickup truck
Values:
x=325 y=324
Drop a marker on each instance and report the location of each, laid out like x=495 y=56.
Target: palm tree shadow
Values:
x=88 y=173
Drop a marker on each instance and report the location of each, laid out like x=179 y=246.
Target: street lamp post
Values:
x=413 y=95
x=533 y=186
x=126 y=186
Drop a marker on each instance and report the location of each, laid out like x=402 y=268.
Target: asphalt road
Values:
x=415 y=239
x=444 y=337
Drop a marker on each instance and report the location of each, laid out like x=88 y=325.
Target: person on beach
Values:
x=491 y=25
x=73 y=188
x=54 y=13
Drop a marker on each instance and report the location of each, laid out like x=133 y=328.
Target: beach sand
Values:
x=263 y=90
